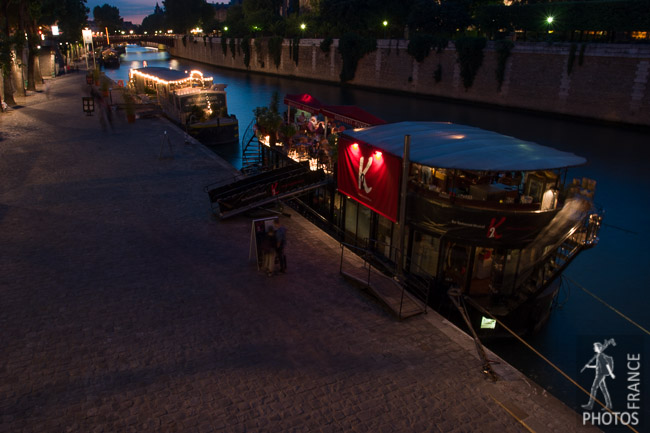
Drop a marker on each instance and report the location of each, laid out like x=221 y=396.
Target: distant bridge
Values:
x=135 y=39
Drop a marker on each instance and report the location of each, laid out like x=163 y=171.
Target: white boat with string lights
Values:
x=191 y=100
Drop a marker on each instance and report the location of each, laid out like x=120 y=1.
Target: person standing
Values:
x=268 y=251
x=281 y=241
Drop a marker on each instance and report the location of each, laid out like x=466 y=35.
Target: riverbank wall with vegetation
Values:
x=606 y=82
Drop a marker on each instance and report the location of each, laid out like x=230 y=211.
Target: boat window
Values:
x=527 y=262
x=482 y=271
x=424 y=254
x=338 y=209
x=494 y=271
x=384 y=232
x=504 y=272
x=363 y=225
x=455 y=263
x=396 y=242
x=351 y=220
x=430 y=178
x=537 y=183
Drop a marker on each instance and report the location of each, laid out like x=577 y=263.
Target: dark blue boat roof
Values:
x=448 y=145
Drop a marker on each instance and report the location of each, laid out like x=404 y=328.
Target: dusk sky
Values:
x=132 y=10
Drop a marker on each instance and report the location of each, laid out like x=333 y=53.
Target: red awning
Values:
x=303 y=101
x=351 y=115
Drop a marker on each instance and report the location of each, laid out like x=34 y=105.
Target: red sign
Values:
x=369 y=176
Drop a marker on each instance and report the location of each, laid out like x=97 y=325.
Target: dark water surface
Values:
x=617 y=270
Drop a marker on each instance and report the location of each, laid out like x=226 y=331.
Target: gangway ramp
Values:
x=258 y=190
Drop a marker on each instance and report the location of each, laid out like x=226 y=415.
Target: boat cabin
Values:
x=188 y=97
x=489 y=214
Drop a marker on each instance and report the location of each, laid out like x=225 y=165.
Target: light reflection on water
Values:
x=617 y=270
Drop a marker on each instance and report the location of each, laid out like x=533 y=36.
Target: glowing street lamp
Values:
x=385 y=24
x=549 y=23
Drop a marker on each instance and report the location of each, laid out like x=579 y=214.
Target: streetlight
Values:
x=549 y=23
x=385 y=24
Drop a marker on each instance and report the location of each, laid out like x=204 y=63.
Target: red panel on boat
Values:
x=303 y=101
x=370 y=177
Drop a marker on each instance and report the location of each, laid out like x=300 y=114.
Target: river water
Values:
x=617 y=270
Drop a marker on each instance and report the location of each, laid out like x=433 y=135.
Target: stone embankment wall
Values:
x=606 y=82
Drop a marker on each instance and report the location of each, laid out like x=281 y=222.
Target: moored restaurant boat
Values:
x=191 y=100
x=110 y=58
x=488 y=215
x=490 y=222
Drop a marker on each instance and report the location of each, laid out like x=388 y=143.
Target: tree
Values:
x=364 y=17
x=23 y=17
x=155 y=21
x=235 y=22
x=108 y=17
x=183 y=15
x=70 y=15
x=261 y=15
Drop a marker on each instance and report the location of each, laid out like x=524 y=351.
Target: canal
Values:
x=617 y=271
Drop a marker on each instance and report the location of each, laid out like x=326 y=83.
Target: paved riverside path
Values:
x=126 y=307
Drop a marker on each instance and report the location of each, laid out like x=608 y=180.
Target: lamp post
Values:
x=385 y=24
x=303 y=26
x=549 y=23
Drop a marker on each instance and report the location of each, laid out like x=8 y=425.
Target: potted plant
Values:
x=269 y=120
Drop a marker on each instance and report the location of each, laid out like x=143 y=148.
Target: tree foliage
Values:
x=19 y=26
x=352 y=48
x=108 y=17
x=184 y=15
x=260 y=16
x=155 y=21
x=596 y=15
x=470 y=57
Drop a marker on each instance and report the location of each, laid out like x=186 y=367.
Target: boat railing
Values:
x=557 y=256
x=401 y=295
x=249 y=133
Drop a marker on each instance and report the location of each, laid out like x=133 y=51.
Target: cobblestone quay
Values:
x=126 y=307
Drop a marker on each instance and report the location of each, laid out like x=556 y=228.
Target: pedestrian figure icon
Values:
x=604 y=366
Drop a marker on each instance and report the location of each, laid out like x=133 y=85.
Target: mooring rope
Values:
x=607 y=305
x=549 y=362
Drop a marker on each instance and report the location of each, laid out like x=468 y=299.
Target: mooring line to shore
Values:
x=606 y=304
x=548 y=361
x=632 y=232
x=521 y=421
